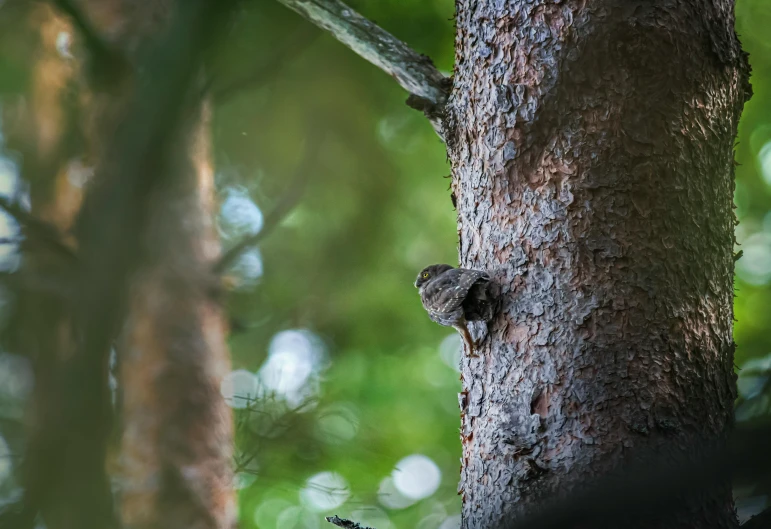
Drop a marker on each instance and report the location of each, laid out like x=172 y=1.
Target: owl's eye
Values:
x=425 y=276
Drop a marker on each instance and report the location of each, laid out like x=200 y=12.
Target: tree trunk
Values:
x=177 y=439
x=63 y=471
x=176 y=447
x=177 y=442
x=592 y=154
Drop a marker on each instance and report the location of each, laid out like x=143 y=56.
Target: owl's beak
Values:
x=416 y=283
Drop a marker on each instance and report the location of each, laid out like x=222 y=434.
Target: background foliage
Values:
x=346 y=393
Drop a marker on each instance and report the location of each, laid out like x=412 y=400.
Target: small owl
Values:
x=453 y=296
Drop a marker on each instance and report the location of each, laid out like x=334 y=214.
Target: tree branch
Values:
x=107 y=62
x=345 y=524
x=37 y=230
x=759 y=521
x=414 y=72
x=89 y=34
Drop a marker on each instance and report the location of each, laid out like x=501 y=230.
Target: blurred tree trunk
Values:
x=176 y=448
x=63 y=471
x=177 y=429
x=592 y=153
x=175 y=464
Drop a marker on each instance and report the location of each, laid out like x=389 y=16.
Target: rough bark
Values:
x=592 y=154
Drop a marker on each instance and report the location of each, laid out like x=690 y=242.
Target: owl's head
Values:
x=430 y=272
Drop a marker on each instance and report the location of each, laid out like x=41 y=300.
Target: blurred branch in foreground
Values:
x=107 y=62
x=414 y=72
x=94 y=42
x=36 y=229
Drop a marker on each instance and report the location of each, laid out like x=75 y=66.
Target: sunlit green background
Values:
x=356 y=390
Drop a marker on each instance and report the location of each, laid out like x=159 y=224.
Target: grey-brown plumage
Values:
x=454 y=296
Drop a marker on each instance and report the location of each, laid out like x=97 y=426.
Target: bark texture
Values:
x=592 y=153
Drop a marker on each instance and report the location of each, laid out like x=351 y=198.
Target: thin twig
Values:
x=345 y=524
x=37 y=229
x=297 y=43
x=288 y=200
x=25 y=282
x=108 y=62
x=414 y=72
